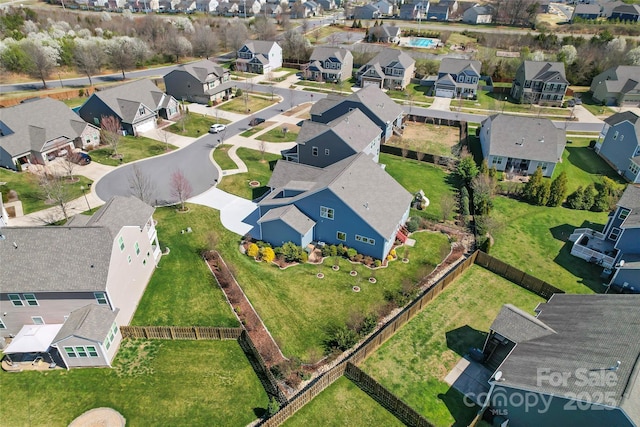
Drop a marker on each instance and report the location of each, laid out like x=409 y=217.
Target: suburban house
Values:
x=207 y=6
x=607 y=6
x=384 y=7
x=458 y=78
x=259 y=57
x=585 y=11
x=202 y=81
x=354 y=202
x=375 y=104
x=619 y=144
x=540 y=82
x=384 y=34
x=518 y=144
x=320 y=145
x=389 y=69
x=368 y=11
x=327 y=4
x=617 y=86
x=626 y=12
x=575 y=363
x=414 y=11
x=271 y=9
x=137 y=105
x=332 y=64
x=75 y=284
x=37 y=129
x=478 y=14
x=438 y=12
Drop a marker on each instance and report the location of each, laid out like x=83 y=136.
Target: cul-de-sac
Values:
x=320 y=213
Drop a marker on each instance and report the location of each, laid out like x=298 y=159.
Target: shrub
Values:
x=341 y=338
x=273 y=405
x=238 y=92
x=369 y=324
x=392 y=253
x=367 y=260
x=412 y=225
x=351 y=253
x=253 y=250
x=291 y=252
x=333 y=250
x=304 y=256
x=377 y=263
x=268 y=254
x=326 y=251
x=358 y=258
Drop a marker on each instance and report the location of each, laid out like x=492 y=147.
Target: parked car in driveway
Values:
x=256 y=121
x=217 y=128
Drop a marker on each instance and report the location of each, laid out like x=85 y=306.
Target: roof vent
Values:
x=521 y=142
x=15 y=245
x=541 y=139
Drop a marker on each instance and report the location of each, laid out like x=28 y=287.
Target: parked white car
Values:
x=217 y=128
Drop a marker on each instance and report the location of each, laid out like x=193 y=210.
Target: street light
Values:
x=504 y=103
x=85 y=196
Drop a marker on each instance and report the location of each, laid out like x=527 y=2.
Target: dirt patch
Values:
x=297 y=109
x=429 y=138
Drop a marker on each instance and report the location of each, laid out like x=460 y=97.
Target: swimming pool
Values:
x=422 y=42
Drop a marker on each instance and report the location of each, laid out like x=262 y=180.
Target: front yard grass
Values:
x=342 y=404
x=414 y=362
x=30 y=192
x=496 y=102
x=277 y=134
x=221 y=157
x=205 y=382
x=195 y=125
x=258 y=170
x=174 y=297
x=255 y=129
x=131 y=148
x=253 y=104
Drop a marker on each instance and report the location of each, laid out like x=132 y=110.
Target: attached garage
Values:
x=445 y=93
x=366 y=83
x=145 y=125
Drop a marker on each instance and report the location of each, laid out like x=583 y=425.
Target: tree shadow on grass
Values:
x=259 y=412
x=463 y=338
x=587 y=160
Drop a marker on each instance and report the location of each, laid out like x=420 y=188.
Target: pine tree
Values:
x=542 y=195
x=484 y=168
x=589 y=196
x=467 y=169
x=558 y=190
x=531 y=188
x=574 y=201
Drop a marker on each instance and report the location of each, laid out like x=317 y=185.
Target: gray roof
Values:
x=203 y=70
x=390 y=31
x=631 y=200
x=544 y=71
x=456 y=65
x=290 y=215
x=586 y=9
x=518 y=325
x=91 y=322
x=125 y=100
x=55 y=259
x=29 y=126
x=631 y=9
x=627 y=79
x=388 y=57
x=354 y=128
x=260 y=46
x=527 y=138
x=627 y=116
x=321 y=53
x=122 y=211
x=593 y=333
x=371 y=97
x=479 y=10
x=381 y=202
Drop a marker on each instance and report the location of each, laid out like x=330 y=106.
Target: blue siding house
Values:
x=619 y=144
x=353 y=202
x=374 y=103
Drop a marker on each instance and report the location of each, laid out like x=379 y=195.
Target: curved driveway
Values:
x=194 y=161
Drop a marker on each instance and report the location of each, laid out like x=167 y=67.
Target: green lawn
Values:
x=595 y=108
x=415 y=361
x=174 y=297
x=29 y=190
x=242 y=106
x=202 y=383
x=277 y=135
x=583 y=166
x=259 y=170
x=132 y=148
x=222 y=159
x=75 y=102
x=196 y=125
x=255 y=129
x=496 y=102
x=342 y=404
x=414 y=176
x=534 y=239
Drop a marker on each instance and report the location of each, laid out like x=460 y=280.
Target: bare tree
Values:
x=141 y=185
x=88 y=57
x=119 y=52
x=204 y=41
x=110 y=133
x=69 y=164
x=262 y=146
x=180 y=187
x=448 y=205
x=177 y=46
x=333 y=39
x=54 y=191
x=40 y=60
x=235 y=34
x=264 y=28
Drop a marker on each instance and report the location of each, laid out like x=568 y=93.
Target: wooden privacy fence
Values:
x=180 y=332
x=260 y=368
x=449 y=162
x=384 y=397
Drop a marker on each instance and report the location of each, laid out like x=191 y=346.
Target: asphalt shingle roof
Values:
x=91 y=322
x=388 y=57
x=457 y=65
x=121 y=211
x=545 y=71
x=354 y=128
x=370 y=97
x=322 y=53
x=631 y=200
x=291 y=216
x=518 y=325
x=125 y=99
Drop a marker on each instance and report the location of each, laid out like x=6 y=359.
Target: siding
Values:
x=338 y=150
x=616 y=151
x=73 y=341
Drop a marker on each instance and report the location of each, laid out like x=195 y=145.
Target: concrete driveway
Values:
x=236 y=214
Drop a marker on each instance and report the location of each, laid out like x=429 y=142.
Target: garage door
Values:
x=445 y=93
x=145 y=126
x=370 y=83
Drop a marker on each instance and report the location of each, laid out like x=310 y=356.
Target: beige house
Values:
x=390 y=69
x=617 y=86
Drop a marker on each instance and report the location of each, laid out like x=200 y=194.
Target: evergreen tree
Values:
x=558 y=190
x=484 y=167
x=531 y=188
x=542 y=195
x=574 y=201
x=464 y=201
x=467 y=169
x=601 y=202
x=589 y=196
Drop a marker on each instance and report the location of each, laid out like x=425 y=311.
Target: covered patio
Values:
x=30 y=349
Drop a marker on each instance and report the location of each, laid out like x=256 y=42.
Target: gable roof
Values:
x=627 y=9
x=388 y=57
x=525 y=138
x=518 y=325
x=125 y=100
x=593 y=333
x=290 y=215
x=324 y=52
x=202 y=70
x=626 y=79
x=121 y=211
x=30 y=125
x=381 y=202
x=544 y=71
x=389 y=31
x=586 y=9
x=479 y=10
x=91 y=322
x=370 y=97
x=260 y=46
x=631 y=200
x=354 y=128
x=457 y=65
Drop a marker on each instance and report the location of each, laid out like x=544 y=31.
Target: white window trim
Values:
x=103 y=295
x=624 y=213
x=28 y=300
x=33 y=319
x=616 y=231
x=2 y=325
x=18 y=300
x=338 y=234
x=324 y=212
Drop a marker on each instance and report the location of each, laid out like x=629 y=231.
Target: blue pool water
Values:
x=422 y=42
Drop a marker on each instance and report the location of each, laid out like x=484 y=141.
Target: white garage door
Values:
x=444 y=93
x=145 y=126
x=370 y=82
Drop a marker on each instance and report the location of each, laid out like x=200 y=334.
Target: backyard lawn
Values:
x=202 y=383
x=342 y=404
x=30 y=192
x=221 y=157
x=429 y=138
x=244 y=105
x=196 y=125
x=174 y=297
x=414 y=362
x=131 y=148
x=259 y=170
x=278 y=135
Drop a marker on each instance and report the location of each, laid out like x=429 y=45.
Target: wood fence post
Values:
x=197 y=332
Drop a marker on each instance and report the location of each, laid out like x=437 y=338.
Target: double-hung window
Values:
x=326 y=212
x=101 y=298
x=30 y=299
x=15 y=300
